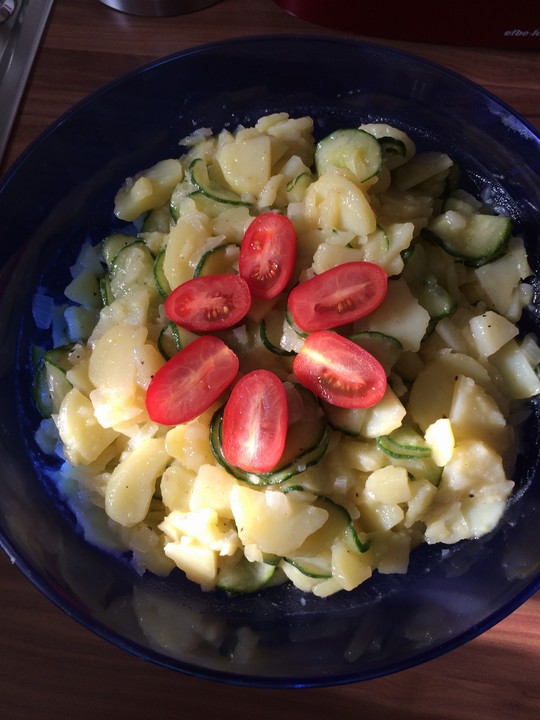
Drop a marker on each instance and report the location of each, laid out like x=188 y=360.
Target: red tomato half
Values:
x=255 y=422
x=267 y=254
x=209 y=303
x=339 y=371
x=338 y=296
x=191 y=381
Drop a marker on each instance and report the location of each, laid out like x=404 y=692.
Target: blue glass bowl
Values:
x=60 y=193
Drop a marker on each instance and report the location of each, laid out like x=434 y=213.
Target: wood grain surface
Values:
x=50 y=667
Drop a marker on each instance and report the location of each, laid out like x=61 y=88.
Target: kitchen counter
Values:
x=50 y=667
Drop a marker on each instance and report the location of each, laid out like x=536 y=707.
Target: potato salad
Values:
x=296 y=362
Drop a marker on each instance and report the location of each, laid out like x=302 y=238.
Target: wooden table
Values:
x=50 y=667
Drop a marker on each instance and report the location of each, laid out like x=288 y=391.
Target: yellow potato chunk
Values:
x=431 y=394
x=246 y=163
x=113 y=371
x=133 y=481
x=83 y=437
x=391 y=551
x=190 y=233
x=258 y=513
x=385 y=416
x=409 y=325
x=349 y=568
x=520 y=379
x=204 y=526
x=378 y=516
x=390 y=484
x=189 y=444
x=475 y=415
x=423 y=493
x=335 y=202
x=175 y=486
x=211 y=489
x=111 y=364
x=440 y=438
x=149 y=190
x=197 y=561
x=471 y=497
x=490 y=331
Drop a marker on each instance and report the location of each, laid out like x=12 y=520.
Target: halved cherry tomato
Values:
x=339 y=371
x=209 y=302
x=255 y=422
x=267 y=254
x=338 y=296
x=191 y=381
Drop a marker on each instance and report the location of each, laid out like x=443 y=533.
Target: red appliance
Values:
x=496 y=24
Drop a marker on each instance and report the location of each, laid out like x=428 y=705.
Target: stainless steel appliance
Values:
x=22 y=23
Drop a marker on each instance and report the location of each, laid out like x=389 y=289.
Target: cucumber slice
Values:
x=338 y=525
x=307 y=442
x=349 y=149
x=433 y=297
x=112 y=244
x=36 y=356
x=105 y=291
x=157 y=220
x=173 y=338
x=392 y=148
x=296 y=188
x=169 y=342
x=162 y=284
x=476 y=239
x=349 y=421
x=351 y=535
x=420 y=468
x=199 y=176
x=243 y=576
x=209 y=206
x=270 y=330
x=384 y=348
x=319 y=566
x=60 y=356
x=292 y=338
x=132 y=267
x=50 y=382
x=180 y=192
x=404 y=442
x=291 y=488
x=276 y=349
x=293 y=326
x=221 y=259
x=397 y=147
x=407 y=448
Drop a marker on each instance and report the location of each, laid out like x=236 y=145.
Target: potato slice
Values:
x=149 y=190
x=390 y=484
x=258 y=514
x=432 y=391
x=335 y=202
x=83 y=437
x=197 y=561
x=400 y=316
x=490 y=331
x=474 y=415
x=246 y=163
x=133 y=481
